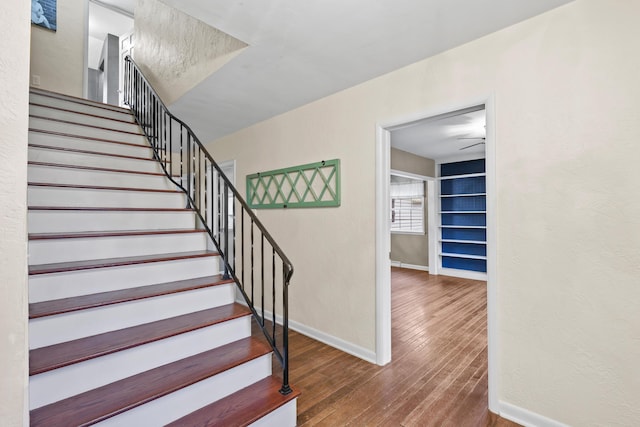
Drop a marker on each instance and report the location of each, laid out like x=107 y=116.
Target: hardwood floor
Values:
x=438 y=373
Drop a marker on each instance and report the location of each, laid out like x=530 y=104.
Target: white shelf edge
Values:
x=475 y=242
x=463 y=226
x=450 y=255
x=463 y=212
x=463 y=195
x=467 y=175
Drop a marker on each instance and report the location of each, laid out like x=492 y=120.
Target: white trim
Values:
x=383 y=247
x=434 y=230
x=492 y=252
x=330 y=340
x=462 y=157
x=113 y=8
x=383 y=280
x=404 y=174
x=525 y=417
x=409 y=266
x=340 y=344
x=464 y=274
x=85 y=47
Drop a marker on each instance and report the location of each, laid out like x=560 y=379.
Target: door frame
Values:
x=383 y=236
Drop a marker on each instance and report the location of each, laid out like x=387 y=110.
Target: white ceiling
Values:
x=300 y=51
x=444 y=136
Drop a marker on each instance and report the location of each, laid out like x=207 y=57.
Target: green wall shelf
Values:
x=312 y=185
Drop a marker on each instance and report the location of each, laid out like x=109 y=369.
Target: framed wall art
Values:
x=44 y=13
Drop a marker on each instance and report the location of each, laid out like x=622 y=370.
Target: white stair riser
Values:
x=143 y=150
x=89 y=118
x=86 y=197
x=92 y=160
x=184 y=401
x=48 y=251
x=50 y=221
x=70 y=380
x=61 y=175
x=81 y=106
x=80 y=130
x=284 y=416
x=43 y=287
x=70 y=326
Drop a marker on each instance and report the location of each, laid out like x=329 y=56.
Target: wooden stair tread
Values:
x=106 y=209
x=101 y=187
x=69 y=122
x=55 y=356
x=93 y=153
x=91 y=138
x=241 y=408
x=96 y=234
x=78 y=100
x=109 y=400
x=82 y=113
x=60 y=267
x=62 y=165
x=67 y=305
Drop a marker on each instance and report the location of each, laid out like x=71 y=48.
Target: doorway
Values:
x=383 y=264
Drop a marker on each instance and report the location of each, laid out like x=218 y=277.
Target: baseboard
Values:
x=411 y=266
x=330 y=340
x=340 y=344
x=464 y=274
x=525 y=417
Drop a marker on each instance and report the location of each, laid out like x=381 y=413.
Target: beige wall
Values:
x=410 y=248
x=408 y=162
x=14 y=86
x=567 y=103
x=176 y=51
x=58 y=57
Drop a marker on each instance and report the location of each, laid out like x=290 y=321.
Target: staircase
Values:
x=130 y=321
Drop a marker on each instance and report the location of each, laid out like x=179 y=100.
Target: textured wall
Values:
x=411 y=248
x=176 y=51
x=14 y=86
x=567 y=104
x=58 y=57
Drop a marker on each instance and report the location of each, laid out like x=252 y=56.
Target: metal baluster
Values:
x=242 y=245
x=262 y=274
x=286 y=389
x=226 y=230
x=273 y=293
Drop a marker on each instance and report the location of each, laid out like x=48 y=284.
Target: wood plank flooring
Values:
x=438 y=373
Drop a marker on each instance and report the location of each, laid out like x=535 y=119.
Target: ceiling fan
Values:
x=473 y=145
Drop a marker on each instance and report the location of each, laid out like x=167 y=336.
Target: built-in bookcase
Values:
x=463 y=216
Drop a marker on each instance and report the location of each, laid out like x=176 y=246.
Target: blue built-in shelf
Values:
x=463 y=217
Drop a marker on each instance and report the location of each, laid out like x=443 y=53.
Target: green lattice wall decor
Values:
x=307 y=186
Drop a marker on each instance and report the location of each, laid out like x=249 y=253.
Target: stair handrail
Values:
x=160 y=127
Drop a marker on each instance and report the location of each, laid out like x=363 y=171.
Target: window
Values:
x=407 y=204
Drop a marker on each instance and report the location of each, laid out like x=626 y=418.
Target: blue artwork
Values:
x=43 y=13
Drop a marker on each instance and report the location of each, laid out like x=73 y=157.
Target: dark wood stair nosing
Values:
x=72 y=304
x=98 y=169
x=241 y=408
x=68 y=122
x=92 y=153
x=98 y=234
x=48 y=358
x=91 y=138
x=105 y=209
x=93 y=264
x=78 y=100
x=112 y=399
x=82 y=113
x=102 y=187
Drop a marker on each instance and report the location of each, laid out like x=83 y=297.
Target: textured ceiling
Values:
x=300 y=51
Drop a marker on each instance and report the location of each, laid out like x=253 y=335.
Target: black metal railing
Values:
x=249 y=254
